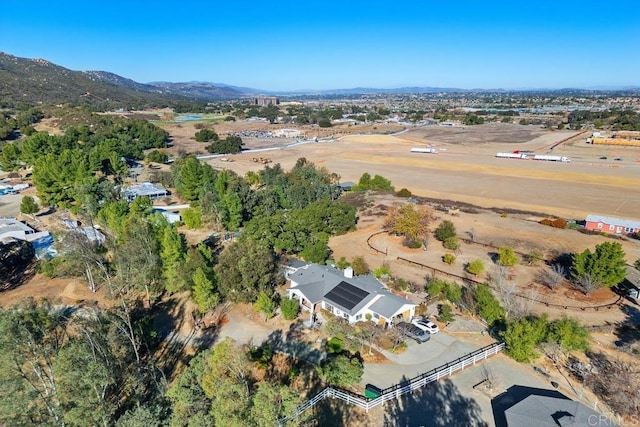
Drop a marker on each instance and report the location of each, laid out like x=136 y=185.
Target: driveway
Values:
x=247 y=331
x=417 y=359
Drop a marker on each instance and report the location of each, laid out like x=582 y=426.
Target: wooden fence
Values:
x=398 y=390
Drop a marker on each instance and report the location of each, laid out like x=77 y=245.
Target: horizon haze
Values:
x=318 y=46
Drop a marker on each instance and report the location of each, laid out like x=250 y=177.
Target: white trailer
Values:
x=549 y=158
x=424 y=150
x=511 y=156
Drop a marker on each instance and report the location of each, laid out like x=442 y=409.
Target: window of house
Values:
x=376 y=316
x=359 y=316
x=627 y=230
x=345 y=315
x=328 y=307
x=599 y=225
x=611 y=227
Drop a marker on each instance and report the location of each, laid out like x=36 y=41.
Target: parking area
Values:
x=419 y=358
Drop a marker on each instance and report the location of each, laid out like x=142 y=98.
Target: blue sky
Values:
x=290 y=45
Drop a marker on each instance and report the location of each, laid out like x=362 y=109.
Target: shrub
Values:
x=534 y=257
x=384 y=271
x=451 y=243
x=335 y=345
x=475 y=267
x=157 y=156
x=206 y=135
x=559 y=223
x=445 y=313
x=229 y=119
x=342 y=263
x=404 y=193
x=359 y=266
x=507 y=256
x=449 y=258
x=290 y=308
x=411 y=243
x=324 y=123
x=445 y=230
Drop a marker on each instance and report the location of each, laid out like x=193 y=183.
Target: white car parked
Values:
x=426 y=325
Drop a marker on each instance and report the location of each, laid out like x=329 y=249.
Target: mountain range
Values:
x=38 y=80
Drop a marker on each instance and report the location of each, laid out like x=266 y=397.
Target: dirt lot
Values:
x=522 y=232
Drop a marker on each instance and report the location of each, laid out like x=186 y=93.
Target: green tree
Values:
x=29 y=206
x=487 y=305
x=569 y=334
x=475 y=267
x=523 y=335
x=445 y=230
x=226 y=382
x=157 y=156
x=173 y=254
x=449 y=258
x=265 y=305
x=189 y=402
x=271 y=402
x=324 y=123
x=206 y=135
x=290 y=308
x=245 y=269
x=192 y=218
x=445 y=313
x=507 y=256
x=342 y=371
x=204 y=291
x=606 y=266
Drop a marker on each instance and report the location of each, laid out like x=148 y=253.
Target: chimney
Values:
x=348 y=273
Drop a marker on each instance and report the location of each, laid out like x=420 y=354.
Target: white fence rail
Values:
x=398 y=390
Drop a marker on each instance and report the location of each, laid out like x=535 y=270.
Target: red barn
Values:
x=611 y=225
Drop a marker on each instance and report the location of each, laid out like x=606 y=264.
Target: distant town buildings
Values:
x=287 y=133
x=264 y=101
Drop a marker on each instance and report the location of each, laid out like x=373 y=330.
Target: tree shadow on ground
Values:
x=335 y=412
x=17 y=264
x=437 y=404
x=170 y=321
x=628 y=331
x=513 y=396
x=292 y=343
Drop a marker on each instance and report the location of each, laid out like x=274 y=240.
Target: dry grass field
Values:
x=466 y=168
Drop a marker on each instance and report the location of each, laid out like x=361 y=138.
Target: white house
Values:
x=353 y=298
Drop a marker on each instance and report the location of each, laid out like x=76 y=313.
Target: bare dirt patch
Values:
x=519 y=231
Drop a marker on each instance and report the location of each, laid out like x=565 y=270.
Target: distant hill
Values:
x=202 y=90
x=38 y=80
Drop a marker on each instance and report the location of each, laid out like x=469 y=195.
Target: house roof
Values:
x=346 y=295
x=610 y=220
x=388 y=306
x=349 y=294
x=545 y=411
x=633 y=275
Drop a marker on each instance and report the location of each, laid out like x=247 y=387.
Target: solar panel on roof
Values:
x=346 y=295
